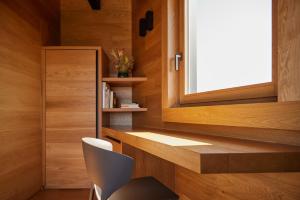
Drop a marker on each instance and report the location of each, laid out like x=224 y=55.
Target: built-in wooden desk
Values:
x=209 y=154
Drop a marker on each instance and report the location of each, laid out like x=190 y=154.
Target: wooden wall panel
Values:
x=109 y=27
x=271 y=186
x=289 y=50
x=150 y=165
x=70 y=115
x=148 y=54
x=191 y=186
x=25 y=27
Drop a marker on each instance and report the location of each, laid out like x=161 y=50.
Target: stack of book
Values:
x=130 y=105
x=109 y=99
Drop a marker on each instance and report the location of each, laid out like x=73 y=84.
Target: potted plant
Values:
x=123 y=64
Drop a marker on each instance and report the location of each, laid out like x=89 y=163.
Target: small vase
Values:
x=122 y=74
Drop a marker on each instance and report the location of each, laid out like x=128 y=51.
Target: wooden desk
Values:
x=209 y=154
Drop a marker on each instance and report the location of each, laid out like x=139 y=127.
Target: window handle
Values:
x=178 y=57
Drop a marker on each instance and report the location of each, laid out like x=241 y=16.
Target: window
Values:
x=227 y=50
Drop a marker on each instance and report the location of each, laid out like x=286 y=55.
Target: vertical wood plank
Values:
x=25 y=27
x=289 y=50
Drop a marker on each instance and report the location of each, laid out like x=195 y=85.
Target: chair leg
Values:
x=92 y=191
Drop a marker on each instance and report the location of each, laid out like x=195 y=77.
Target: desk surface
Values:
x=210 y=154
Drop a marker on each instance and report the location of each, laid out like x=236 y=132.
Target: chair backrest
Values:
x=108 y=170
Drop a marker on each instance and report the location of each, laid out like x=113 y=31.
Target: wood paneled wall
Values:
x=289 y=50
x=25 y=27
x=192 y=186
x=266 y=186
x=109 y=27
x=148 y=54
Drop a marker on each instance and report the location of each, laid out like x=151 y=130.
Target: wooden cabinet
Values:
x=69 y=113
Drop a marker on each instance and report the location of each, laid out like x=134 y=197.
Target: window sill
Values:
x=275 y=115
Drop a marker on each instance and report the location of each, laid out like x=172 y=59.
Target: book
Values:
x=130 y=105
x=115 y=100
x=103 y=94
x=111 y=99
x=106 y=95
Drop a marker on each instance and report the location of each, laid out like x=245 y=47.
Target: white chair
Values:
x=111 y=172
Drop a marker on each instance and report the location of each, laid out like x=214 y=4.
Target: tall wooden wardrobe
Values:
x=70 y=79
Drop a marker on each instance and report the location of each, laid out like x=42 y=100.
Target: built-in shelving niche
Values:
x=123 y=89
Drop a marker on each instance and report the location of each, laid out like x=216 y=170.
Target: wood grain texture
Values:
x=151 y=58
x=109 y=27
x=210 y=154
x=70 y=115
x=25 y=27
x=170 y=45
x=271 y=115
x=117 y=144
x=284 y=116
x=101 y=71
x=250 y=186
x=147 y=54
x=250 y=92
x=150 y=165
x=79 y=194
x=191 y=186
x=289 y=50
x=123 y=82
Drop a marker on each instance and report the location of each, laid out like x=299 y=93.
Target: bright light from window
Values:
x=228 y=44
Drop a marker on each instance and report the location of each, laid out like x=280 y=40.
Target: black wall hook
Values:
x=143 y=27
x=95 y=4
x=149 y=20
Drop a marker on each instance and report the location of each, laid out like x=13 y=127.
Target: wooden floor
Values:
x=81 y=194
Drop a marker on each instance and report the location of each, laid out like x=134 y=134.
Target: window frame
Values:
x=256 y=91
x=276 y=114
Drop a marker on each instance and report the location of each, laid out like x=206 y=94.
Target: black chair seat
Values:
x=146 y=188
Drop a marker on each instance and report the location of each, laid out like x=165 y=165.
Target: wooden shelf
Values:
x=210 y=154
x=116 y=110
x=123 y=82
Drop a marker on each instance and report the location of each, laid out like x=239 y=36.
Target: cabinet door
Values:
x=70 y=115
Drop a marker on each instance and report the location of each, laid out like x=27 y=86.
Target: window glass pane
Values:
x=228 y=44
